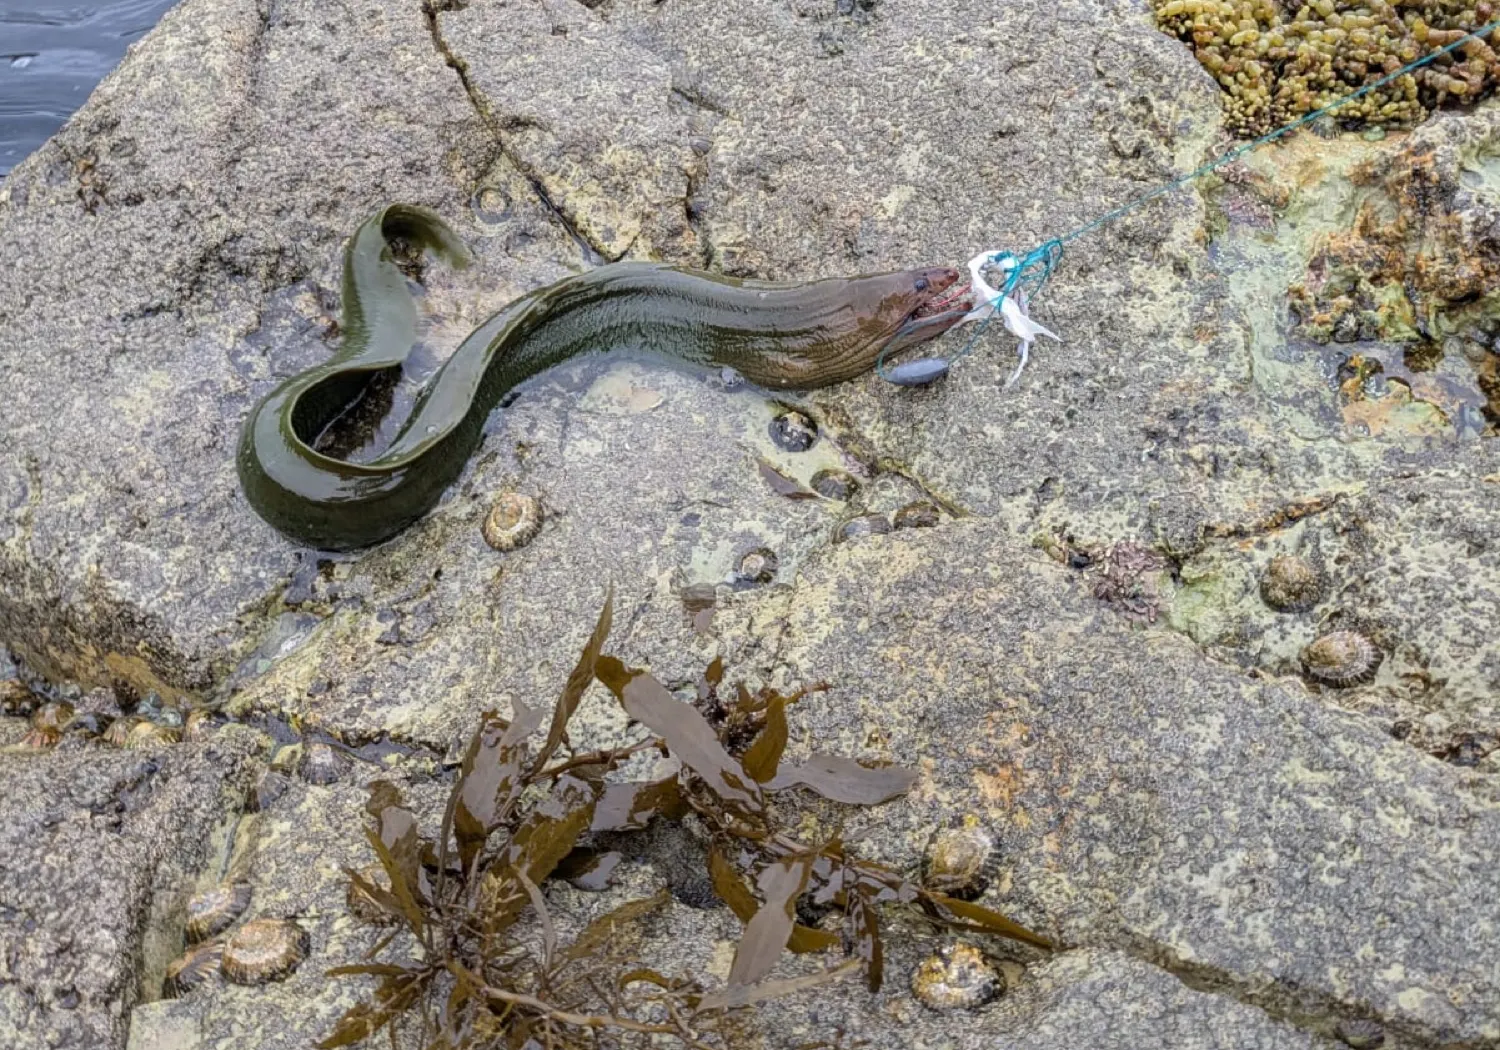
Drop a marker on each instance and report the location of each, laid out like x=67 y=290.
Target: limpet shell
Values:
x=148 y=734
x=835 y=484
x=862 y=526
x=269 y=786
x=758 y=565
x=44 y=730
x=89 y=724
x=194 y=967
x=918 y=514
x=1341 y=658
x=321 y=764
x=215 y=910
x=200 y=724
x=1292 y=583
x=956 y=976
x=513 y=521
x=264 y=950
x=793 y=431
x=961 y=859
x=361 y=905
x=40 y=739
x=118 y=733
x=52 y=717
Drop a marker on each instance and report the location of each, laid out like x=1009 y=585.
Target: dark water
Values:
x=52 y=53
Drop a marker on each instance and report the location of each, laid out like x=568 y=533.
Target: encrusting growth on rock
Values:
x=1277 y=62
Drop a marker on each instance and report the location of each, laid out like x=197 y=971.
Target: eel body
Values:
x=777 y=335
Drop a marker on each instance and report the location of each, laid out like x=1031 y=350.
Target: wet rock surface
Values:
x=1176 y=820
x=1078 y=649
x=97 y=850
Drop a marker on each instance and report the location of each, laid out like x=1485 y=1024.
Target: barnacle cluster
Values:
x=1279 y=61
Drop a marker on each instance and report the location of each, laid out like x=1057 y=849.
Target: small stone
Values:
x=757 y=566
x=793 y=431
x=835 y=484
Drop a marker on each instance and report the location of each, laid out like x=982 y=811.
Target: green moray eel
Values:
x=780 y=336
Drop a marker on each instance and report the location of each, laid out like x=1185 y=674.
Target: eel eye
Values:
x=921 y=284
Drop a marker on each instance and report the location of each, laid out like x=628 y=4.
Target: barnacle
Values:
x=1277 y=62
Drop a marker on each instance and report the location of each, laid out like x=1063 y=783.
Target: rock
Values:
x=1144 y=795
x=1087 y=997
x=219 y=227
x=1107 y=1000
x=98 y=851
x=174 y=252
x=193 y=211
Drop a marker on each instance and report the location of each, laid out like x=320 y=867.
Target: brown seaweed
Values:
x=519 y=813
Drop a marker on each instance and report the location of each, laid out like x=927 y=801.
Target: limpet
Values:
x=793 y=431
x=269 y=786
x=918 y=514
x=197 y=965
x=1341 y=658
x=118 y=733
x=862 y=526
x=1292 y=583
x=758 y=565
x=55 y=716
x=956 y=976
x=145 y=735
x=46 y=726
x=960 y=859
x=835 y=484
x=513 y=521
x=321 y=764
x=264 y=950
x=1360 y=1033
x=215 y=910
x=200 y=724
x=15 y=698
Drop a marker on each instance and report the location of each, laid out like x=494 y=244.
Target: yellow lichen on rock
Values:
x=1277 y=62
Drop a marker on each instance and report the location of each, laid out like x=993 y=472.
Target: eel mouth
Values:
x=934 y=315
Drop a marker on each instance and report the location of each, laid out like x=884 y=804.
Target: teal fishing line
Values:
x=1030 y=271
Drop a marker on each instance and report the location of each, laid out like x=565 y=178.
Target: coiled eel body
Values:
x=780 y=336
